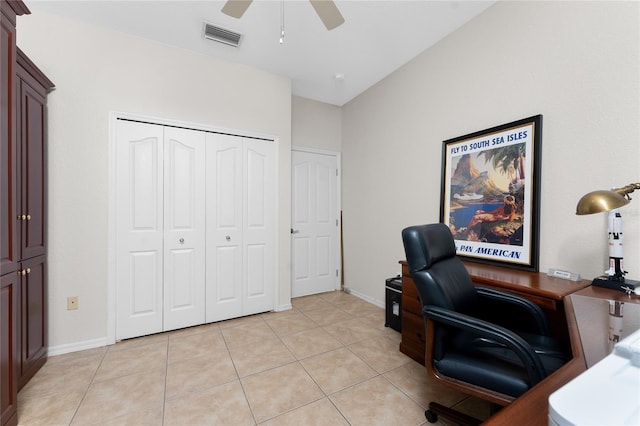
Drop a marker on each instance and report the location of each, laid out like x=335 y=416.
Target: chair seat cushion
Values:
x=484 y=372
x=490 y=365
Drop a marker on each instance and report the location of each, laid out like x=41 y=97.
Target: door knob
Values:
x=228 y=238
x=294 y=231
x=181 y=240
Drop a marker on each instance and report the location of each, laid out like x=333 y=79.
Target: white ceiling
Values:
x=377 y=37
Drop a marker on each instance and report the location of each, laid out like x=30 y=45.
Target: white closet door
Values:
x=139 y=259
x=259 y=234
x=184 y=228
x=224 y=227
x=241 y=226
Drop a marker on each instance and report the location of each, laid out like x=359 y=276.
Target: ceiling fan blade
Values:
x=236 y=8
x=328 y=13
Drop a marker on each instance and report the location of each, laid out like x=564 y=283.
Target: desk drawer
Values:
x=413 y=329
x=410 y=298
x=413 y=336
x=412 y=304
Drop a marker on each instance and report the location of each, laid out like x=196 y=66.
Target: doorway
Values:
x=315 y=221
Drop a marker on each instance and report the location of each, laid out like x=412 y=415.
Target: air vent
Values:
x=221 y=35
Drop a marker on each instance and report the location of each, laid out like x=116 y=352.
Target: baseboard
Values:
x=97 y=343
x=364 y=297
x=285 y=307
x=75 y=347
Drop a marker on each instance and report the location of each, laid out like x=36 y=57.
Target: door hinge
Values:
x=336 y=172
x=336 y=222
x=336 y=272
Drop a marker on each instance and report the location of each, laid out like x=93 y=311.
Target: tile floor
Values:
x=328 y=361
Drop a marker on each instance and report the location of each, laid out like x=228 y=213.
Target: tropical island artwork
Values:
x=487 y=203
x=487 y=199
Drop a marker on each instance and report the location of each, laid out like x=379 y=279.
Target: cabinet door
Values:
x=8 y=347
x=31 y=141
x=8 y=228
x=33 y=333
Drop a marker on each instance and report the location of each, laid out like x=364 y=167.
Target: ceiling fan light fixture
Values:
x=221 y=35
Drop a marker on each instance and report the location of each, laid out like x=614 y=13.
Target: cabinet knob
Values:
x=28 y=270
x=28 y=217
x=228 y=238
x=22 y=217
x=181 y=240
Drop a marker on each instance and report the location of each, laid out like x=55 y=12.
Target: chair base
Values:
x=457 y=417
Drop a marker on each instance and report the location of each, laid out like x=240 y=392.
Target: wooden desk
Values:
x=545 y=291
x=532 y=408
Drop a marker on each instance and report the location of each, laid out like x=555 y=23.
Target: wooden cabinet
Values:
x=31 y=90
x=8 y=238
x=8 y=349
x=33 y=315
x=31 y=119
x=545 y=291
x=23 y=213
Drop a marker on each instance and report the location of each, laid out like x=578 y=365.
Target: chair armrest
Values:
x=525 y=306
x=524 y=351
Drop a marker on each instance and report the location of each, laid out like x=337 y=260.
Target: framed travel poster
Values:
x=490 y=196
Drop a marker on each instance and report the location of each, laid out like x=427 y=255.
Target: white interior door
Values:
x=241 y=226
x=259 y=230
x=160 y=260
x=139 y=210
x=314 y=232
x=224 y=227
x=184 y=228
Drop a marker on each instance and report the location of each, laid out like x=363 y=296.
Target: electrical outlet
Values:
x=72 y=302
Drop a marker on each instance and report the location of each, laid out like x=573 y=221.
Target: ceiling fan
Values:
x=326 y=10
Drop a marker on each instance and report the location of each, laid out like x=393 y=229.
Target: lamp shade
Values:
x=600 y=201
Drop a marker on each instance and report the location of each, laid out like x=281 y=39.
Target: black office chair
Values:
x=483 y=342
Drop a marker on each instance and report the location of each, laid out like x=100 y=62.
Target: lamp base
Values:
x=604 y=281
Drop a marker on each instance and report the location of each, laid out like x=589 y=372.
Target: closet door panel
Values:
x=184 y=228
x=259 y=225
x=139 y=239
x=224 y=227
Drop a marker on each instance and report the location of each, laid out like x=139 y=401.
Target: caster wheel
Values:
x=431 y=416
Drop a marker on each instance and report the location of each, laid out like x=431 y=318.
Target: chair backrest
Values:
x=439 y=275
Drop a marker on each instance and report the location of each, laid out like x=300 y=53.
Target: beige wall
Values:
x=316 y=125
x=96 y=72
x=574 y=62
